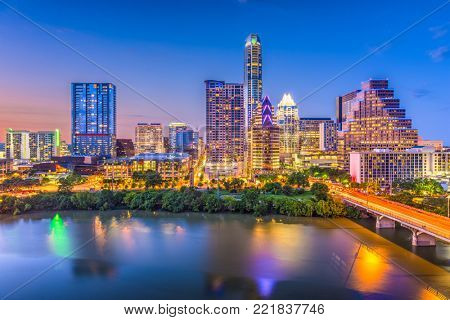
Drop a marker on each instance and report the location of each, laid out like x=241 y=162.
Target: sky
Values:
x=164 y=50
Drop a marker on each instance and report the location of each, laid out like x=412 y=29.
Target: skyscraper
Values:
x=224 y=128
x=149 y=138
x=252 y=76
x=288 y=120
x=376 y=121
x=264 y=140
x=175 y=127
x=93 y=119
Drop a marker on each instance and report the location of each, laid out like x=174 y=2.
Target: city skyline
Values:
x=425 y=97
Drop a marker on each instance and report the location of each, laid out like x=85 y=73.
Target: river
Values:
x=153 y=255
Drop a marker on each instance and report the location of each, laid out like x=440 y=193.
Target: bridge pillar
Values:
x=384 y=223
x=420 y=239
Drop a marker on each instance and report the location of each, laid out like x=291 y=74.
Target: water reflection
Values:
x=59 y=238
x=200 y=256
x=92 y=267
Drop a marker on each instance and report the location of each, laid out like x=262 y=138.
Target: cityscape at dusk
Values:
x=232 y=150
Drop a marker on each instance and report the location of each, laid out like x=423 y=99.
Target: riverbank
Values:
x=250 y=201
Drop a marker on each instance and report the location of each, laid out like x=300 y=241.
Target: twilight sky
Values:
x=166 y=49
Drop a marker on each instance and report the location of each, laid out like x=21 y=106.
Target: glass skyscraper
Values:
x=93 y=119
x=252 y=76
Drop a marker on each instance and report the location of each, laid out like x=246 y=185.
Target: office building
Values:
x=93 y=119
x=253 y=84
x=383 y=166
x=343 y=107
x=289 y=122
x=310 y=133
x=124 y=148
x=328 y=136
x=225 y=130
x=187 y=142
x=264 y=140
x=175 y=127
x=149 y=138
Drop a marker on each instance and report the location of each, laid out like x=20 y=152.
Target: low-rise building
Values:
x=169 y=165
x=384 y=166
x=6 y=166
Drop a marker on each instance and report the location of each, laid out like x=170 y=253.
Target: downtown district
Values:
x=245 y=137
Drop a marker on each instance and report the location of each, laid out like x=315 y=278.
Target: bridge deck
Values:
x=426 y=222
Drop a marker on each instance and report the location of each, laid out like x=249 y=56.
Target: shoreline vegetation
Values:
x=257 y=202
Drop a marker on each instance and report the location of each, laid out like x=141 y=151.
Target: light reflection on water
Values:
x=194 y=256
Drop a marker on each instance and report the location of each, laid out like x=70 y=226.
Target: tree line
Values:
x=257 y=202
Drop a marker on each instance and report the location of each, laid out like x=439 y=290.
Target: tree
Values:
x=66 y=184
x=298 y=179
x=152 y=179
x=320 y=190
x=214 y=203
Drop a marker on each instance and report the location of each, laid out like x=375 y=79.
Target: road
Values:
x=439 y=225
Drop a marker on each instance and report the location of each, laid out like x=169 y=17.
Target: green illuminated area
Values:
x=59 y=238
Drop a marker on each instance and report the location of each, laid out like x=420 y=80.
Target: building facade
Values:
x=187 y=142
x=93 y=119
x=289 y=123
x=376 y=121
x=149 y=138
x=343 y=107
x=170 y=166
x=225 y=131
x=384 y=166
x=33 y=146
x=253 y=85
x=124 y=148
x=310 y=133
x=264 y=140
x=328 y=136
x=175 y=127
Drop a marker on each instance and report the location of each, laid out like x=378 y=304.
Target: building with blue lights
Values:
x=93 y=119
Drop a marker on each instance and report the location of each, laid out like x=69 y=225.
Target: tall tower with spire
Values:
x=264 y=140
x=252 y=76
x=288 y=120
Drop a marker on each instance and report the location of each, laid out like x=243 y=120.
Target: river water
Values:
x=139 y=255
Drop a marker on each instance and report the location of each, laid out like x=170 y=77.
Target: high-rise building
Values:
x=343 y=107
x=93 y=119
x=253 y=84
x=264 y=140
x=288 y=121
x=187 y=142
x=376 y=121
x=328 y=136
x=175 y=127
x=225 y=131
x=33 y=146
x=310 y=133
x=18 y=144
x=149 y=138
x=124 y=148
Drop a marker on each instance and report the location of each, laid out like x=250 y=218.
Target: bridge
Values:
x=425 y=226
